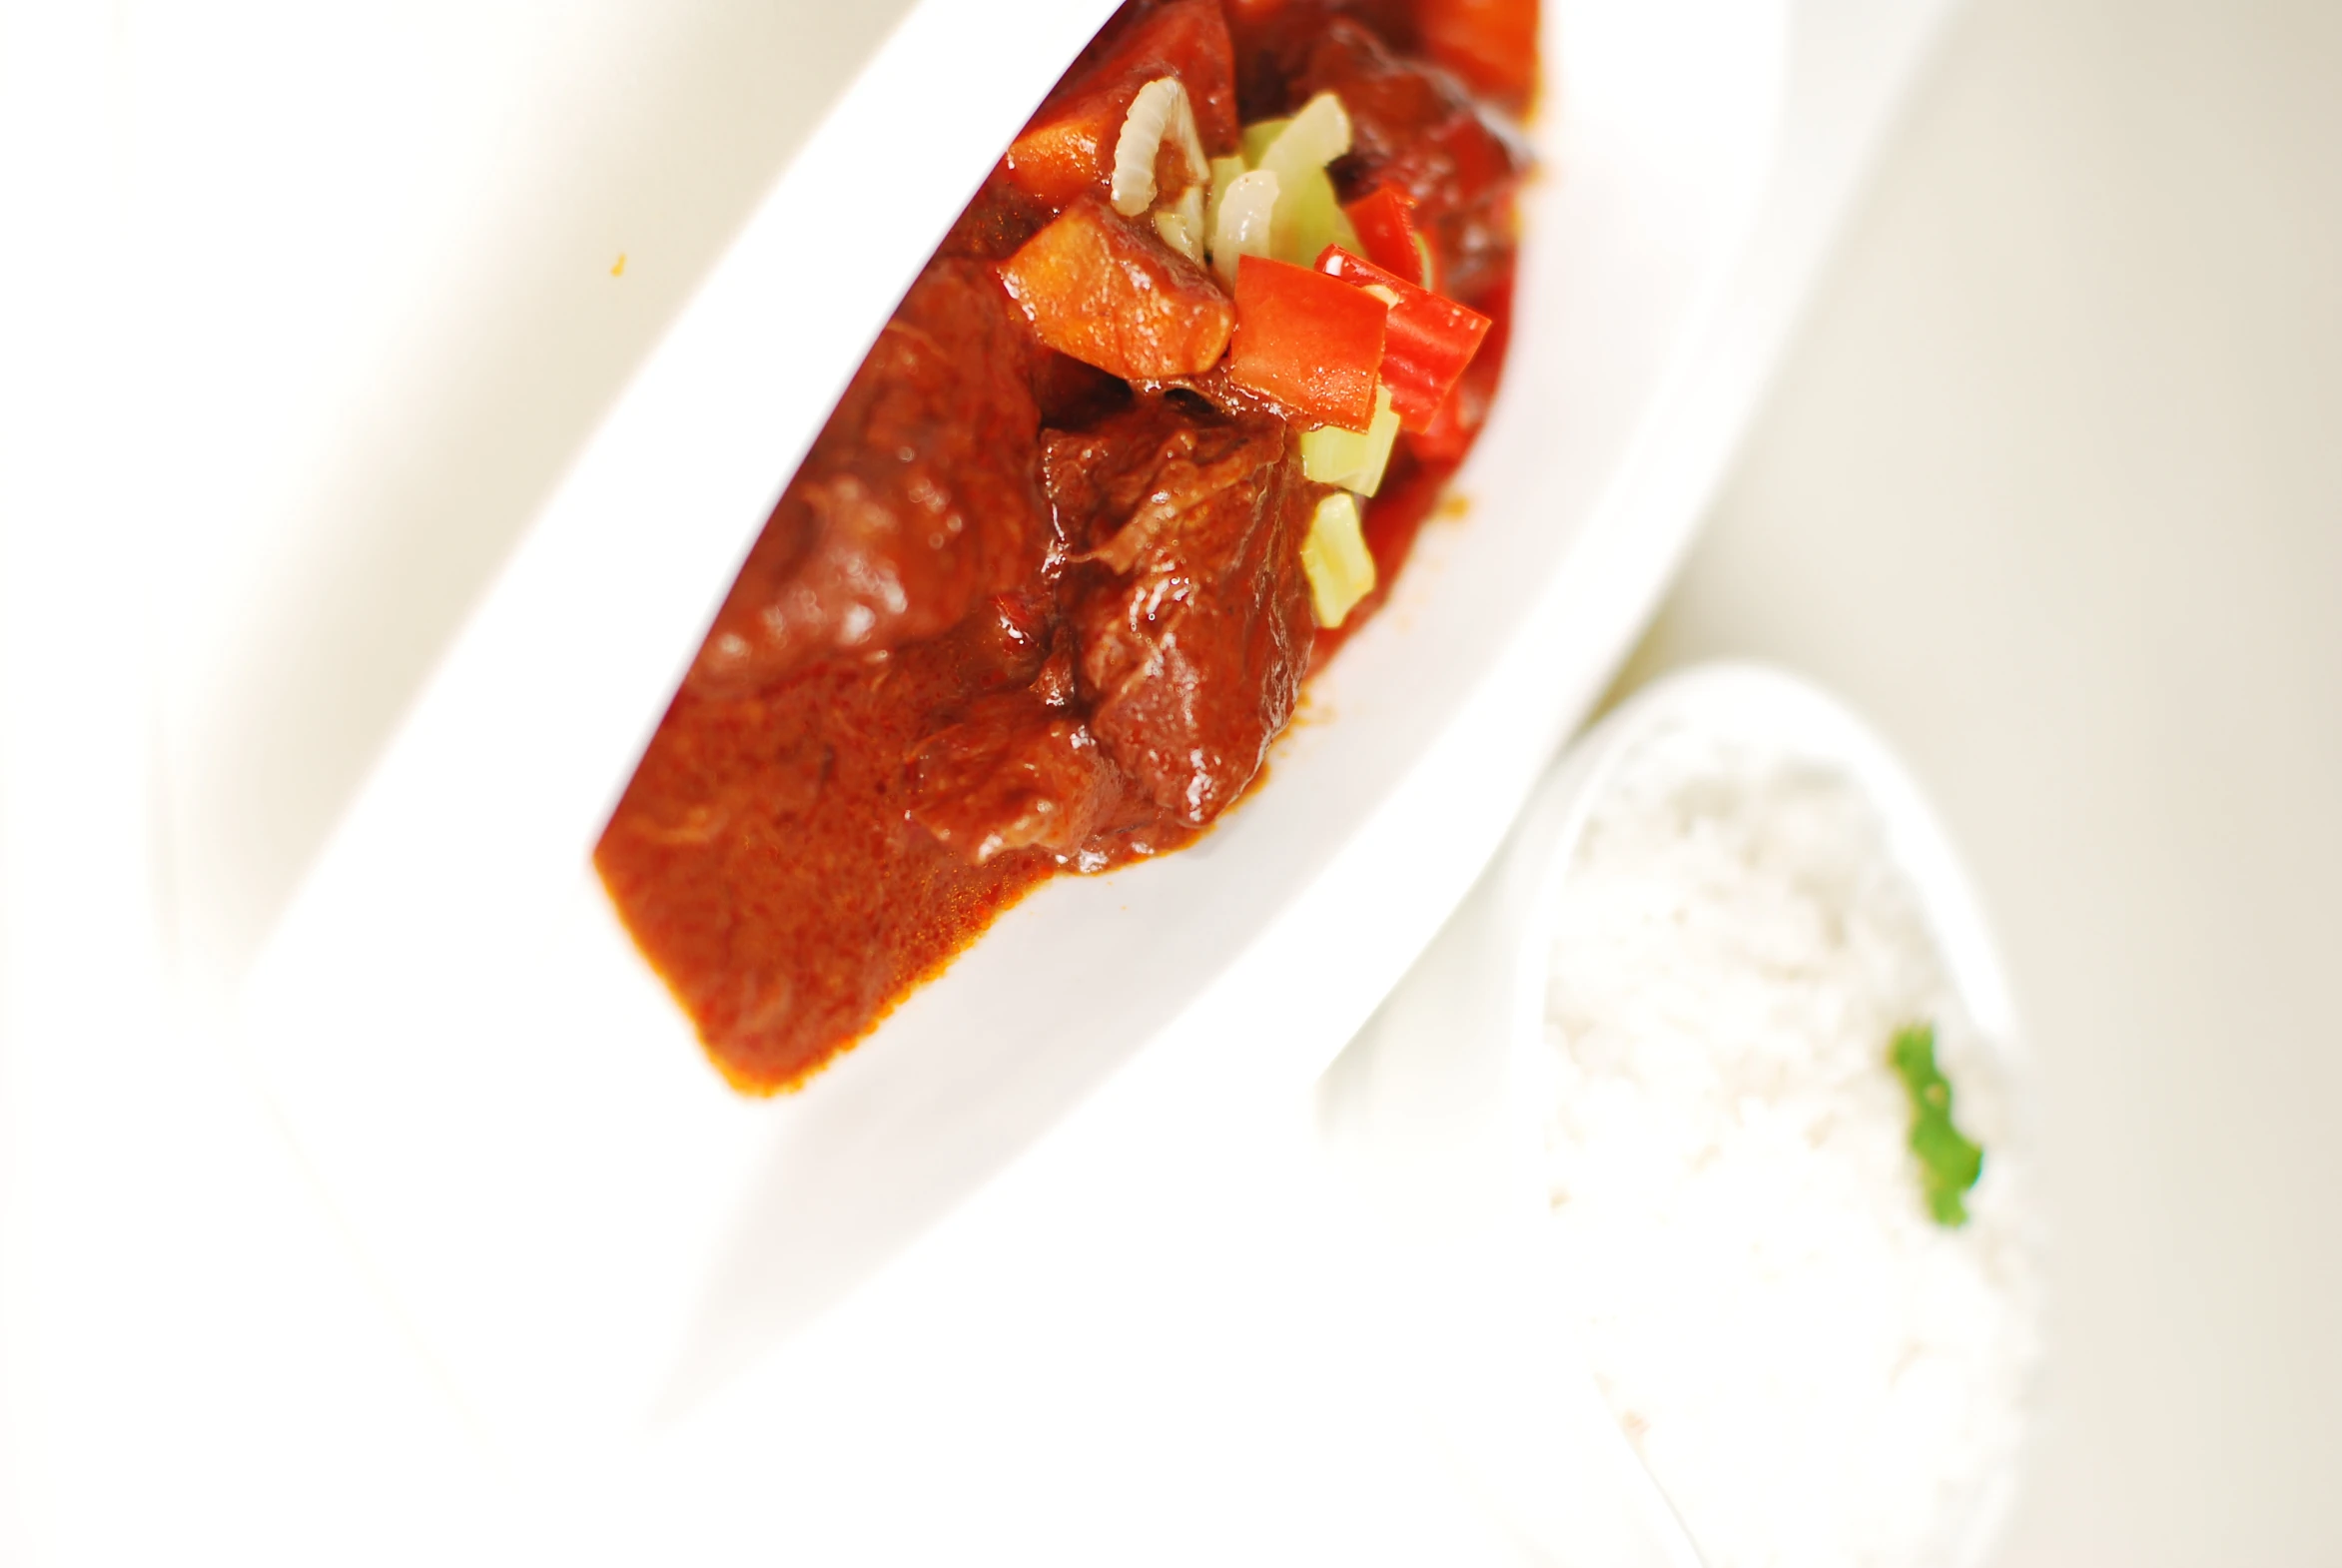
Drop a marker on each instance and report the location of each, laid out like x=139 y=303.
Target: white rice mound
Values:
x=1815 y=1372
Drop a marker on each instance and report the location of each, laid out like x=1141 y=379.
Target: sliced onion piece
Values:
x=1335 y=559
x=1353 y=459
x=1161 y=109
x=1243 y=225
x=1182 y=224
x=1190 y=142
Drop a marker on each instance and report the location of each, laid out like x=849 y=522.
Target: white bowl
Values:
x=1437 y=1113
x=584 y=1226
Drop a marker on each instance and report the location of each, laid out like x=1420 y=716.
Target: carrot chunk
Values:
x=1097 y=288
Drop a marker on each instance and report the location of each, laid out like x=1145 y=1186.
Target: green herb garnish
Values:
x=1949 y=1162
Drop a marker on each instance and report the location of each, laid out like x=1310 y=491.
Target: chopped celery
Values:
x=1243 y=227
x=1334 y=556
x=1353 y=459
x=1309 y=213
x=1345 y=235
x=1256 y=138
x=1308 y=217
x=1315 y=136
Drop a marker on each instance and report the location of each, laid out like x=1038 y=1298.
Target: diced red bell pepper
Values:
x=1069 y=146
x=1447 y=436
x=1307 y=341
x=1491 y=44
x=1097 y=288
x=1385 y=221
x=1429 y=338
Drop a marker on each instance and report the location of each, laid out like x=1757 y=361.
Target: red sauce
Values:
x=1015 y=616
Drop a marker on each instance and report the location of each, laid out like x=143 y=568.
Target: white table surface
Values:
x=2052 y=492
x=2049 y=491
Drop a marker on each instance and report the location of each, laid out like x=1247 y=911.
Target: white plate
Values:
x=581 y=1224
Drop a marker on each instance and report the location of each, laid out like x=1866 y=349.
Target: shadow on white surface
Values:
x=389 y=272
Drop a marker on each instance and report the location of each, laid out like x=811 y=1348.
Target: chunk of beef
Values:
x=1016 y=773
x=919 y=496
x=1071 y=393
x=1190 y=610
x=1002 y=217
